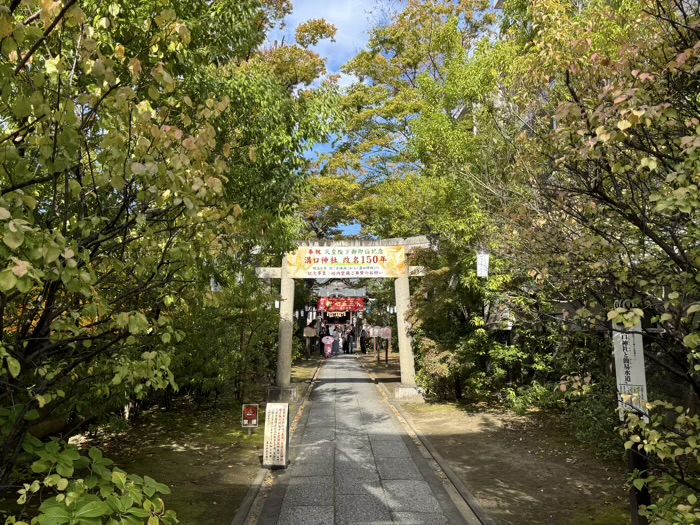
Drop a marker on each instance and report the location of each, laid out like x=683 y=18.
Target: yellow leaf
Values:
x=624 y=124
x=135 y=67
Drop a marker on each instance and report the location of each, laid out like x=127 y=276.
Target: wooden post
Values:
x=636 y=460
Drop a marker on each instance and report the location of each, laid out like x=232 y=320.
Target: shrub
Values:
x=86 y=490
x=521 y=399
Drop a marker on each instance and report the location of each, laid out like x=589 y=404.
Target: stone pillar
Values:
x=282 y=391
x=403 y=298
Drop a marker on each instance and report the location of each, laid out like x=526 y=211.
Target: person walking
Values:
x=335 y=335
x=363 y=340
x=351 y=340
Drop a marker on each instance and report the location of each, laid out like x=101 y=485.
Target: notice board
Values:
x=276 y=435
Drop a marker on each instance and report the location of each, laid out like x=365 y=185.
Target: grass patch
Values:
x=601 y=515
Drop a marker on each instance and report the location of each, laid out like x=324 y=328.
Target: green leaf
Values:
x=88 y=521
x=40 y=466
x=95 y=454
x=138 y=512
x=22 y=107
x=91 y=509
x=65 y=468
x=13 y=239
x=118 y=478
x=7 y=280
x=53 y=513
x=638 y=483
x=13 y=366
x=51 y=253
x=31 y=415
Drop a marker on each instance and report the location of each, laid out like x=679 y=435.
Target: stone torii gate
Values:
x=282 y=390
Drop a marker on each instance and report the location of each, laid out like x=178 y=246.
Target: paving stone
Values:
x=321 y=422
x=355 y=460
x=322 y=467
x=374 y=417
x=349 y=420
x=319 y=448
x=308 y=491
x=390 y=449
x=418 y=518
x=322 y=412
x=315 y=435
x=306 y=515
x=360 y=451
x=356 y=473
x=351 y=432
x=355 y=509
x=397 y=468
x=410 y=496
x=345 y=485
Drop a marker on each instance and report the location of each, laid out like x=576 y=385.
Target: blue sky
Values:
x=353 y=19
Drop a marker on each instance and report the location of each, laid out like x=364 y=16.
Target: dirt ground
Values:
x=202 y=454
x=523 y=470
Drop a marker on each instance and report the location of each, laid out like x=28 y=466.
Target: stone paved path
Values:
x=352 y=462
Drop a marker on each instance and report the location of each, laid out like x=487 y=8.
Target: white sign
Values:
x=276 y=435
x=628 y=350
x=215 y=287
x=482 y=264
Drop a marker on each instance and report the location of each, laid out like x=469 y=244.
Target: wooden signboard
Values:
x=276 y=435
x=315 y=262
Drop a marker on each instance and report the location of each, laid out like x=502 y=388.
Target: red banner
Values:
x=341 y=304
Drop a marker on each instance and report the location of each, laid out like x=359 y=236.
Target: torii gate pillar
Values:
x=286 y=329
x=403 y=297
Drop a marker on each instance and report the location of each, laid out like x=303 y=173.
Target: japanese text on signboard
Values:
x=333 y=304
x=629 y=368
x=275 y=445
x=347 y=261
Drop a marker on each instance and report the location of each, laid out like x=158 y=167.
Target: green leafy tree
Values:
x=141 y=145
